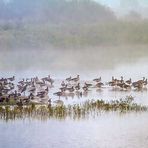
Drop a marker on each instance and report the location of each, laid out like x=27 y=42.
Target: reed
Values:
x=73 y=111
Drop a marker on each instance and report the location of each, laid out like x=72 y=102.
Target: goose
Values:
x=41 y=94
x=122 y=80
x=49 y=100
x=63 y=89
x=126 y=86
x=3 y=80
x=87 y=84
x=71 y=89
x=77 y=87
x=16 y=94
x=6 y=90
x=76 y=79
x=42 y=83
x=11 y=86
x=141 y=81
x=47 y=89
x=31 y=96
x=11 y=79
x=24 y=89
x=48 y=79
x=121 y=85
x=112 y=82
x=97 y=80
x=85 y=88
x=137 y=85
x=68 y=79
x=63 y=84
x=99 y=84
x=119 y=81
x=59 y=94
x=20 y=87
x=129 y=81
x=22 y=82
x=145 y=82
x=32 y=89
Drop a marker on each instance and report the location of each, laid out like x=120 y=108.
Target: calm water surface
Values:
x=107 y=130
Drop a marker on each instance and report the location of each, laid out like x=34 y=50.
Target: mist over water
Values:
x=65 y=38
x=90 y=61
x=71 y=37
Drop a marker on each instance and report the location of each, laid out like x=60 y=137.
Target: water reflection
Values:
x=76 y=111
x=106 y=130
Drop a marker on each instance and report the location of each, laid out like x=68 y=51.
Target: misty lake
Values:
x=109 y=129
x=99 y=48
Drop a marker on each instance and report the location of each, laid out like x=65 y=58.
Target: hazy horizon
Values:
x=55 y=33
x=120 y=7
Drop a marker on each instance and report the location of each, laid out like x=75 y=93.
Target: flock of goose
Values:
x=27 y=90
x=73 y=84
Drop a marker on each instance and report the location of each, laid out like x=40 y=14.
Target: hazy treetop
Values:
x=55 y=11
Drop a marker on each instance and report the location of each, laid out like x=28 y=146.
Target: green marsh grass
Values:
x=78 y=111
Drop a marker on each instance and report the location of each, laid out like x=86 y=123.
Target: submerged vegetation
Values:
x=72 y=111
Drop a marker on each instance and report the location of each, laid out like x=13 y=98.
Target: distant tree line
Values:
x=55 y=11
x=67 y=23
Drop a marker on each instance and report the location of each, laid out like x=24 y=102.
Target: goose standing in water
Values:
x=119 y=81
x=141 y=81
x=97 y=80
x=71 y=89
x=112 y=82
x=63 y=89
x=24 y=89
x=49 y=80
x=63 y=84
x=31 y=96
x=68 y=79
x=21 y=82
x=85 y=88
x=59 y=94
x=129 y=81
x=99 y=85
x=145 y=83
x=76 y=79
x=127 y=86
x=88 y=84
x=11 y=79
x=77 y=87
x=139 y=84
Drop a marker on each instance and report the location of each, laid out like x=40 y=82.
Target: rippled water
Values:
x=108 y=130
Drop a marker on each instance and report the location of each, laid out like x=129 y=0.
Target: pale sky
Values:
x=116 y=3
x=111 y=3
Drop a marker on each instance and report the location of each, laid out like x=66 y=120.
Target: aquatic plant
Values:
x=74 y=111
